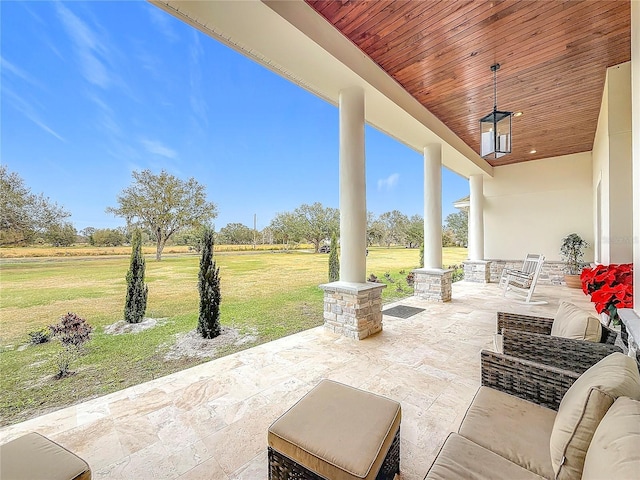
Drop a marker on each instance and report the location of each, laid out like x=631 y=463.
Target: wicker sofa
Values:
x=533 y=421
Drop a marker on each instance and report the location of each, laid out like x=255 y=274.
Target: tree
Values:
x=415 y=231
x=136 y=302
x=334 y=262
x=317 y=223
x=192 y=237
x=457 y=224
x=235 y=234
x=267 y=236
x=164 y=204
x=447 y=238
x=209 y=288
x=375 y=232
x=286 y=228
x=394 y=227
x=87 y=232
x=24 y=215
x=61 y=235
x=107 y=237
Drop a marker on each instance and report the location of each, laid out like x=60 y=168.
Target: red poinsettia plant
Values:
x=610 y=287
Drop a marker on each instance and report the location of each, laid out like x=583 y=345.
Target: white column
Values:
x=476 y=221
x=635 y=148
x=353 y=207
x=433 y=206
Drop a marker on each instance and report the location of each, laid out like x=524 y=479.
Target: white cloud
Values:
x=28 y=110
x=91 y=52
x=389 y=183
x=158 y=148
x=196 y=96
x=8 y=67
x=151 y=63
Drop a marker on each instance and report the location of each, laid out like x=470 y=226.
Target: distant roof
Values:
x=462 y=203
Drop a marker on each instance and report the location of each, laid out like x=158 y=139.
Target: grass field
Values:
x=267 y=295
x=86 y=250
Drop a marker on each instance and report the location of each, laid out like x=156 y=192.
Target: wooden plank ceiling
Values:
x=553 y=56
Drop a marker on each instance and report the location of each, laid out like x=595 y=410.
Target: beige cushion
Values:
x=615 y=449
x=584 y=405
x=573 y=322
x=513 y=428
x=460 y=458
x=337 y=431
x=34 y=457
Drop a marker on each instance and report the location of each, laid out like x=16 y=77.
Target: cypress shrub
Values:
x=422 y=256
x=334 y=262
x=136 y=302
x=209 y=288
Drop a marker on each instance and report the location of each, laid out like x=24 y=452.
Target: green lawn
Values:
x=269 y=295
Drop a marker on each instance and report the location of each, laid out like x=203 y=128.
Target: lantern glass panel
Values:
x=495 y=134
x=487 y=137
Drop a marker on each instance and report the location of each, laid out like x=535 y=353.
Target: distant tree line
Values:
x=168 y=210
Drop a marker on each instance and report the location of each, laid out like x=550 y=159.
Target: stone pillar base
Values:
x=353 y=309
x=433 y=284
x=478 y=271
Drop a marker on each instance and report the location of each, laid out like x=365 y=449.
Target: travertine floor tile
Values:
x=208 y=470
x=257 y=468
x=135 y=433
x=98 y=441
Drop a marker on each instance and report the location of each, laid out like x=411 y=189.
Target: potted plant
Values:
x=572 y=251
x=610 y=287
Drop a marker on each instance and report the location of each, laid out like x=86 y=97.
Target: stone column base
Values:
x=353 y=309
x=478 y=271
x=433 y=284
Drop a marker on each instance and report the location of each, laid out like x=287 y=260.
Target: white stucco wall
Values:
x=529 y=207
x=612 y=170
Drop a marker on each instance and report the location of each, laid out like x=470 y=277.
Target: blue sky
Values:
x=94 y=90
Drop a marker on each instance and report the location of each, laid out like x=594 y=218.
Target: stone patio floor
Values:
x=211 y=421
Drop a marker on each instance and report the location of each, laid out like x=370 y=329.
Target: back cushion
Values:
x=573 y=322
x=615 y=449
x=582 y=408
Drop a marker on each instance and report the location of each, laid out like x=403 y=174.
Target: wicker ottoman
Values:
x=336 y=432
x=34 y=457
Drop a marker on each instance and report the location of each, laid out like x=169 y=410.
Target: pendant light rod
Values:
x=494 y=68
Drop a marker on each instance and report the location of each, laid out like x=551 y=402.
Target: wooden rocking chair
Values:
x=522 y=283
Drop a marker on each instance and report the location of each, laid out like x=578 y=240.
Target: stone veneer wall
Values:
x=433 y=285
x=352 y=309
x=552 y=273
x=477 y=271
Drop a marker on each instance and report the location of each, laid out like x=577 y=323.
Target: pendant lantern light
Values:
x=495 y=128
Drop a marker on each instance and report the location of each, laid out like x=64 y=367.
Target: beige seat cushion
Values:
x=34 y=457
x=513 y=428
x=584 y=405
x=337 y=431
x=615 y=449
x=460 y=458
x=573 y=322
